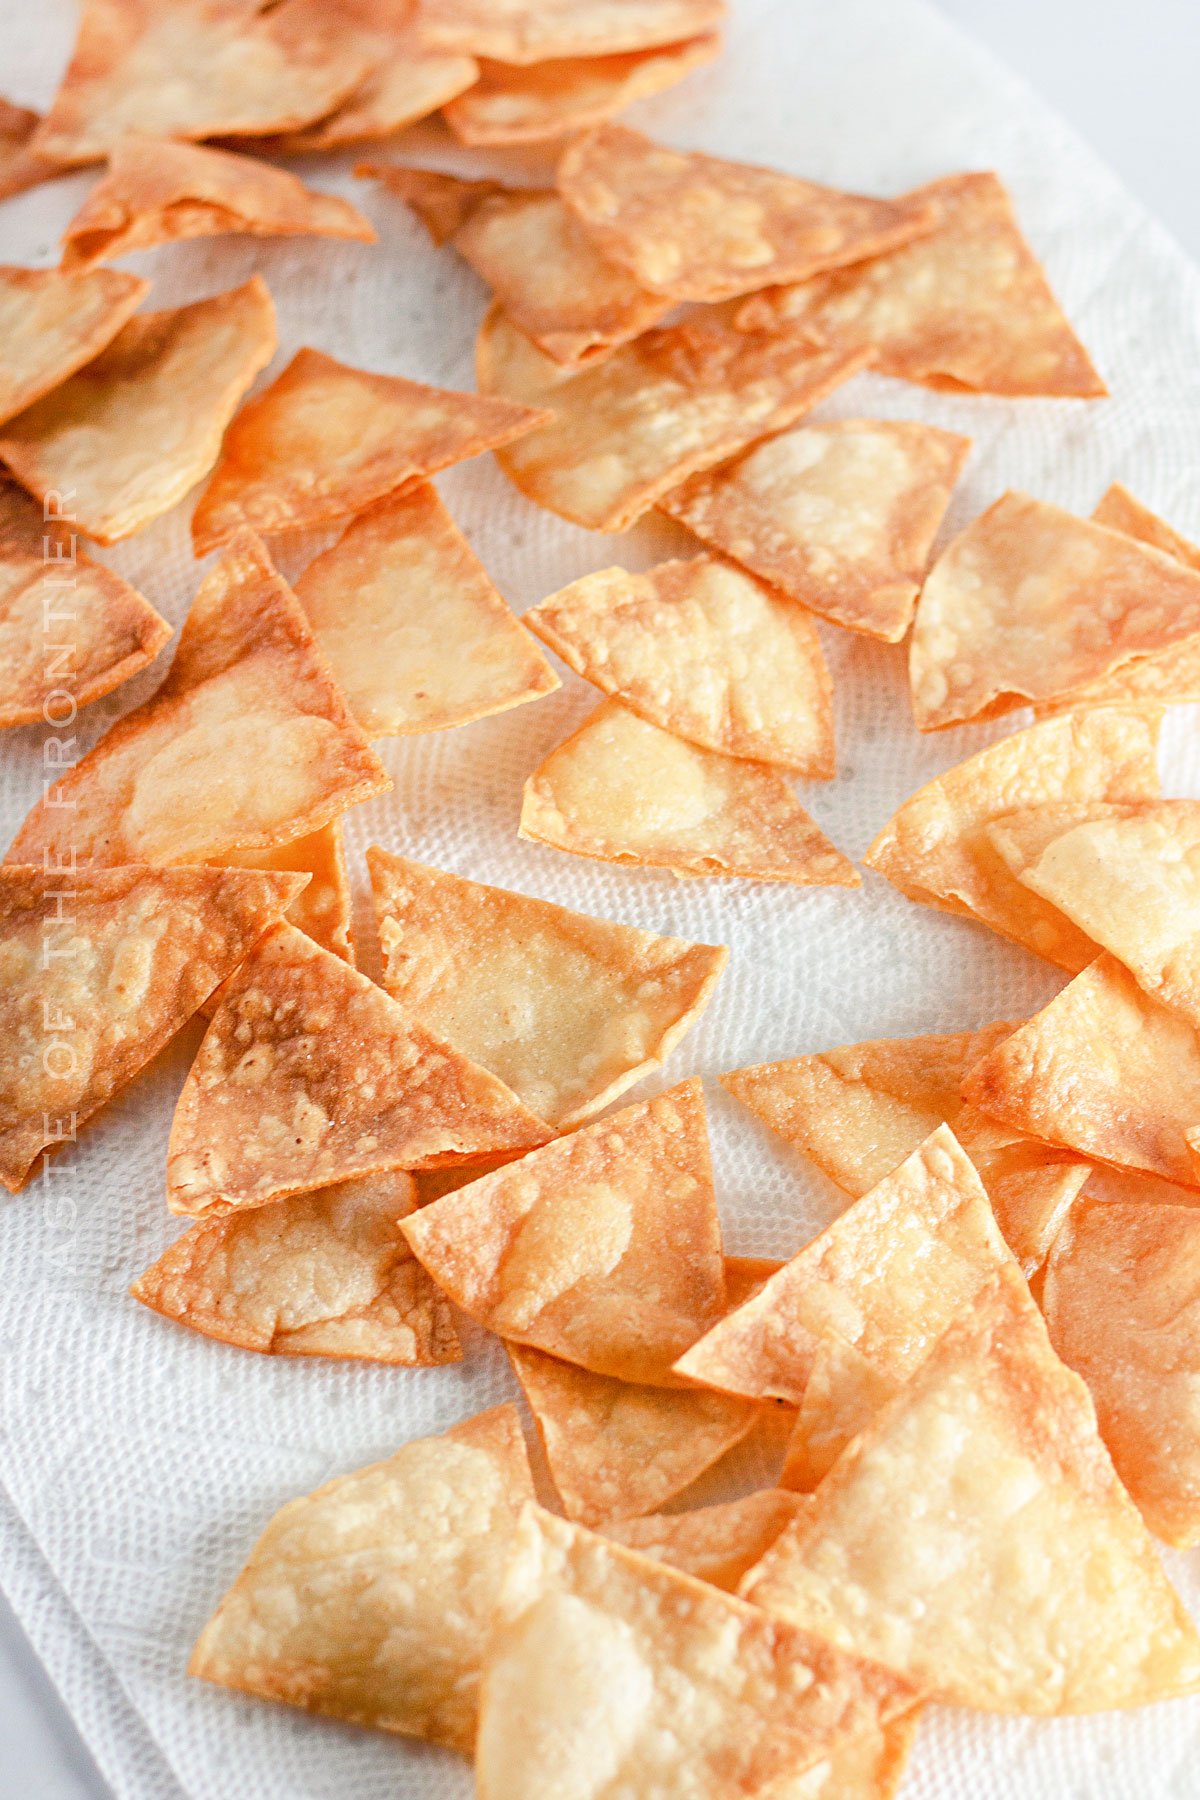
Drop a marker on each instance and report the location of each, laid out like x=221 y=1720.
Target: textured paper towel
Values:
x=139 y=1461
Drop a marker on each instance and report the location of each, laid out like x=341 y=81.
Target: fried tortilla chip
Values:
x=936 y=849
x=567 y=1010
x=411 y=625
x=744 y=1275
x=716 y=1544
x=326 y=440
x=967 y=305
x=842 y=517
x=704 y=650
x=1121 y=511
x=370 y=1599
x=625 y=791
x=324 y=911
x=843 y=1394
x=135 y=430
x=20 y=166
x=309 y=1075
x=246 y=745
x=1024 y=1581
x=628 y=429
x=442 y=202
x=538 y=31
x=99 y=968
x=52 y=323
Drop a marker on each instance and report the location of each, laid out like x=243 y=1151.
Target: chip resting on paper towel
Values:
x=326 y=440
x=841 y=517
x=567 y=1010
x=411 y=625
x=324 y=910
x=843 y=1394
x=136 y=429
x=52 y=323
x=714 y=1543
x=20 y=165
x=370 y=1600
x=967 y=305
x=625 y=791
x=706 y=651
x=100 y=969
x=443 y=202
x=536 y=31
x=247 y=744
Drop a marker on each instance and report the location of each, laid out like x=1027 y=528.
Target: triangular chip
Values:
x=567 y=1010
x=717 y=1544
x=247 y=743
x=20 y=165
x=842 y=1396
x=842 y=517
x=936 y=850
x=309 y=1075
x=965 y=306
x=631 y=427
x=411 y=625
x=535 y=31
x=603 y=1248
x=441 y=201
x=52 y=323
x=325 y=908
x=370 y=1600
x=704 y=650
x=100 y=968
x=325 y=440
x=744 y=1275
x=70 y=629
x=625 y=791
x=696 y=227
x=1024 y=1580
x=135 y=430
x=1122 y=511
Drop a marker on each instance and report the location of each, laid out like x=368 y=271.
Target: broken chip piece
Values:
x=441 y=201
x=718 y=1543
x=323 y=911
x=20 y=165
x=52 y=323
x=536 y=31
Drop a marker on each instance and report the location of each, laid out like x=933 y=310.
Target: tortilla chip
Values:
x=965 y=306
x=744 y=1275
x=99 y=968
x=841 y=517
x=696 y=227
x=625 y=791
x=936 y=850
x=716 y=1544
x=704 y=650
x=1120 y=511
x=1122 y=1304
x=887 y=1276
x=843 y=1395
x=326 y=440
x=134 y=431
x=568 y=1011
x=247 y=744
x=411 y=625
x=537 y=31
x=869 y=1766
x=309 y=1075
x=370 y=1599
x=51 y=324
x=407 y=80
x=511 y=105
x=442 y=202
x=20 y=166
x=1025 y=1580
x=602 y=1248
x=70 y=629
x=629 y=428
x=324 y=911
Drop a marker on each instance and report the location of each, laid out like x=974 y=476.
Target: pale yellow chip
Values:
x=52 y=323
x=716 y=1544
x=370 y=1600
x=325 y=441
x=133 y=432
x=631 y=427
x=536 y=31
x=843 y=1394
x=246 y=745
x=325 y=908
x=965 y=306
x=841 y=517
x=99 y=968
x=1024 y=1579
x=936 y=850
x=705 y=650
x=407 y=618
x=20 y=166
x=625 y=791
x=567 y=1010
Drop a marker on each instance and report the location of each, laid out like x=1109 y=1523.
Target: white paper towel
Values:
x=138 y=1461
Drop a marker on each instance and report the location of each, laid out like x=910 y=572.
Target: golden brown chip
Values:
x=442 y=202
x=704 y=650
x=135 y=430
x=536 y=31
x=325 y=908
x=1121 y=511
x=407 y=618
x=370 y=1599
x=843 y=1394
x=246 y=745
x=99 y=968
x=1024 y=1580
x=716 y=1544
x=842 y=517
x=625 y=791
x=52 y=323
x=20 y=166
x=326 y=440
x=744 y=1275
x=965 y=306
x=309 y=1075
x=631 y=427
x=567 y=1010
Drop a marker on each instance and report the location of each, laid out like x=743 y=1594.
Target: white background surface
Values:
x=1124 y=75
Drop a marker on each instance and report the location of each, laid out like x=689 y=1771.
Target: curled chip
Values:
x=53 y=323
x=139 y=426
x=537 y=31
x=843 y=1394
x=370 y=1599
x=625 y=791
x=324 y=910
x=20 y=165
x=717 y=1544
